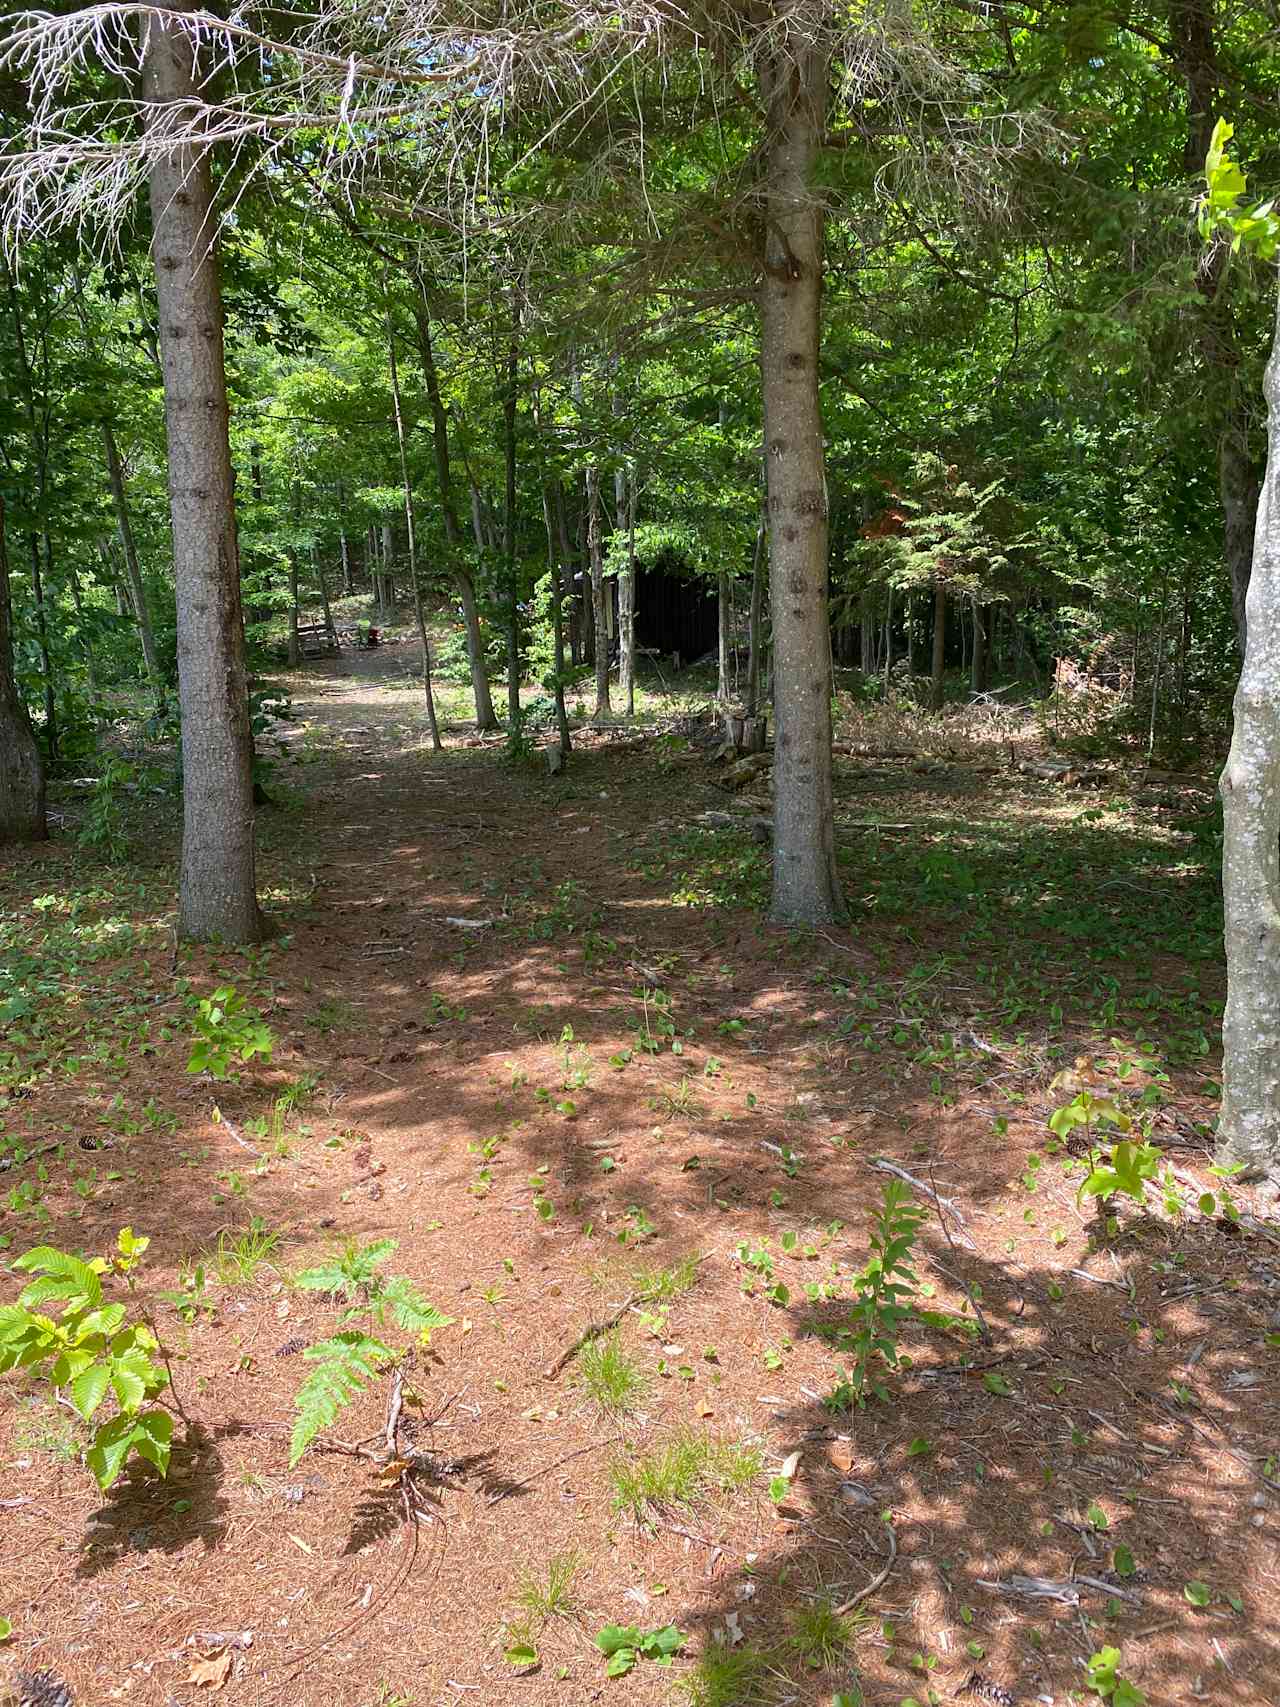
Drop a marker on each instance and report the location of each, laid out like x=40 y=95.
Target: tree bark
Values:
x=806 y=887
x=485 y=715
x=599 y=622
x=217 y=894
x=510 y=397
x=1249 y=1125
x=419 y=613
x=22 y=815
x=937 y=677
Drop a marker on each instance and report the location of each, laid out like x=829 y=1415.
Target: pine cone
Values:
x=982 y=1686
x=42 y=1689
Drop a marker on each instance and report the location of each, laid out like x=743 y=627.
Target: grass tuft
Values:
x=675 y=1476
x=551 y=1595
x=728 y=1677
x=611 y=1375
x=238 y=1258
x=821 y=1635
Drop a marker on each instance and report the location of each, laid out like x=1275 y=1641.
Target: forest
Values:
x=640 y=853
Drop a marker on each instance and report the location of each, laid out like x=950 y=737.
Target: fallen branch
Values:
x=876 y=1582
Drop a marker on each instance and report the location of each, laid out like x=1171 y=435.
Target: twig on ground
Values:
x=946 y=1203
x=514 y=1487
x=876 y=1582
x=983 y=1330
x=224 y=1120
x=592 y=1331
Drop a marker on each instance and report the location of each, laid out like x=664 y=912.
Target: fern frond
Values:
x=410 y=1308
x=345 y=1364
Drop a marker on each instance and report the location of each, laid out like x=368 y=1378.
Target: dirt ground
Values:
x=554 y=1048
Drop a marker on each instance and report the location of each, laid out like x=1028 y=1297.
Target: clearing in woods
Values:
x=537 y=1031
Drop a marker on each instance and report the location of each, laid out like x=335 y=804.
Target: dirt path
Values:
x=588 y=1087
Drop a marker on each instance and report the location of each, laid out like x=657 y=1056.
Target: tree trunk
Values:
x=599 y=622
x=723 y=688
x=386 y=586
x=22 y=816
x=625 y=489
x=345 y=550
x=509 y=400
x=295 y=522
x=485 y=716
x=806 y=888
x=418 y=612
x=1238 y=488
x=936 y=679
x=980 y=668
x=133 y=569
x=217 y=895
x=1249 y=1125
x=866 y=625
x=557 y=623
x=755 y=622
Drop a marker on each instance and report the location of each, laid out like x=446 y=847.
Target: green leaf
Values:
x=109 y=1450
x=615 y=1636
x=89 y=1389
x=6 y=1629
x=1122 y=1562
x=521 y=1654
x=920 y=1447
x=1097 y=1517
x=1199 y=1594
x=996 y=1383
x=662 y=1644
x=65 y=1277
x=620 y=1662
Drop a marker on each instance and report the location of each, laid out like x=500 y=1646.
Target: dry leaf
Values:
x=790 y=1466
x=393 y=1471
x=299 y=1542
x=705 y=1410
x=840 y=1453
x=212 y=1671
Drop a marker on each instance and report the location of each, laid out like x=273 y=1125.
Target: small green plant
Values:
x=1256 y=228
x=1105 y=1680
x=92 y=1351
x=348 y=1361
x=611 y=1375
x=103 y=829
x=226 y=1030
x=624 y=1644
x=879 y=1311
